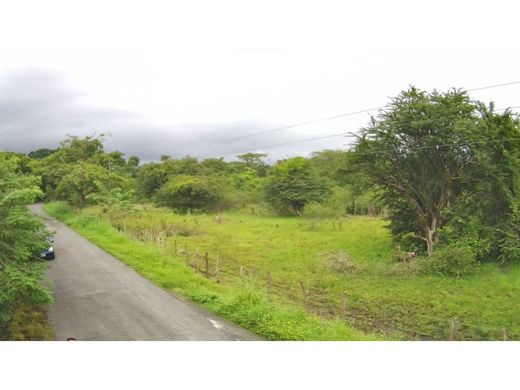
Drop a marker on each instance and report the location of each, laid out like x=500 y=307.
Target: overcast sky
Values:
x=188 y=79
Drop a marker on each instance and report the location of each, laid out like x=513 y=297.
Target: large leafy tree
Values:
x=416 y=152
x=22 y=236
x=82 y=179
x=292 y=184
x=70 y=173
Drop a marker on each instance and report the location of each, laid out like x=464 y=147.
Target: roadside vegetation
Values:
x=22 y=237
x=413 y=233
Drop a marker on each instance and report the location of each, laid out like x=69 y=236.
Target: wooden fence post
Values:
x=175 y=247
x=343 y=308
x=453 y=329
x=217 y=269
x=206 y=260
x=241 y=274
x=504 y=334
x=305 y=294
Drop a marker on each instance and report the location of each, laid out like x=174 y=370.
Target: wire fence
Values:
x=402 y=321
x=379 y=314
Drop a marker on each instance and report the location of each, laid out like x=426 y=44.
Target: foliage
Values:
x=40 y=153
x=70 y=171
x=292 y=184
x=149 y=178
x=189 y=193
x=491 y=204
x=22 y=237
x=453 y=260
x=416 y=152
x=113 y=200
x=83 y=179
x=255 y=162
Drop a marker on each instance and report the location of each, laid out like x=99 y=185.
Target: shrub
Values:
x=292 y=184
x=189 y=193
x=339 y=262
x=452 y=260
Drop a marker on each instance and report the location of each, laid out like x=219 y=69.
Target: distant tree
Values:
x=189 y=193
x=186 y=166
x=292 y=184
x=89 y=149
x=59 y=165
x=165 y=157
x=80 y=181
x=117 y=159
x=132 y=165
x=254 y=161
x=332 y=164
x=133 y=161
x=41 y=153
x=150 y=177
x=213 y=166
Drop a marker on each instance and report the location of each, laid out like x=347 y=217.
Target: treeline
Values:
x=80 y=171
x=443 y=168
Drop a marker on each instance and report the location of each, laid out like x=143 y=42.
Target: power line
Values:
x=339 y=135
x=444 y=145
x=347 y=114
x=301 y=124
x=493 y=86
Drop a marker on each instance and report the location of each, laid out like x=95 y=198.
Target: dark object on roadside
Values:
x=48 y=254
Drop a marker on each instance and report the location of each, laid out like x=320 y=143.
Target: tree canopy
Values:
x=428 y=153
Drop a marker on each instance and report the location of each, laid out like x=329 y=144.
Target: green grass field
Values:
x=295 y=278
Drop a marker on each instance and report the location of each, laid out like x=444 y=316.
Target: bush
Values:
x=339 y=262
x=452 y=260
x=292 y=184
x=189 y=193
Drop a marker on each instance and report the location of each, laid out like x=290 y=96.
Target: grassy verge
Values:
x=245 y=303
x=27 y=323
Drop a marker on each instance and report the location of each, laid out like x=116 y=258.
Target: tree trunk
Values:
x=430 y=236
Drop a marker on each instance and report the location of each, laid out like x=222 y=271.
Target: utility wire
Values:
x=348 y=114
x=344 y=134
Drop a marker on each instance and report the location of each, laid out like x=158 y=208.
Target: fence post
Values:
x=453 y=328
x=504 y=334
x=343 y=308
x=305 y=294
x=206 y=260
x=175 y=247
x=241 y=274
x=268 y=282
x=217 y=270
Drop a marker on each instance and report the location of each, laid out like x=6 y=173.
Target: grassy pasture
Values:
x=296 y=278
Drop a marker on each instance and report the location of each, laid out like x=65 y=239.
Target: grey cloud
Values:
x=39 y=107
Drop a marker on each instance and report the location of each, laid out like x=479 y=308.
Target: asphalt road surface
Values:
x=99 y=298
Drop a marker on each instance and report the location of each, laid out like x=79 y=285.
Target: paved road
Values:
x=99 y=298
